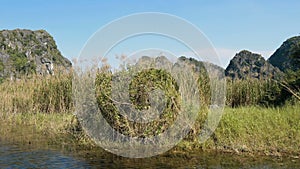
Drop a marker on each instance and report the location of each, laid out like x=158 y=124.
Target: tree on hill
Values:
x=296 y=57
x=292 y=80
x=283 y=56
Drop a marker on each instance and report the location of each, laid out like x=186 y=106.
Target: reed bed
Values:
x=252 y=121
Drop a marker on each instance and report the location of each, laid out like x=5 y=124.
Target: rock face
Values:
x=205 y=67
x=198 y=66
x=250 y=65
x=26 y=51
x=282 y=56
x=160 y=61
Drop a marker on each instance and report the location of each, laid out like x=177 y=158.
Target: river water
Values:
x=31 y=156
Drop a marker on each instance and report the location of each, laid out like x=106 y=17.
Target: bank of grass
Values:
x=36 y=94
x=258 y=130
x=41 y=129
x=245 y=130
x=39 y=110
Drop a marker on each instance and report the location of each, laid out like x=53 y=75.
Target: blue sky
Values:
x=259 y=26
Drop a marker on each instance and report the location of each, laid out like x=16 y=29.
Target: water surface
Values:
x=31 y=156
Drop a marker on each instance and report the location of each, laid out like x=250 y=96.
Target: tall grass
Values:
x=54 y=93
x=248 y=127
x=38 y=94
x=249 y=92
x=267 y=130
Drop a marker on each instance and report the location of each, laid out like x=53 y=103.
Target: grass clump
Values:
x=251 y=92
x=270 y=131
x=37 y=95
x=141 y=87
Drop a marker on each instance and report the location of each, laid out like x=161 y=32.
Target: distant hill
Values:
x=282 y=56
x=198 y=66
x=159 y=61
x=246 y=64
x=26 y=51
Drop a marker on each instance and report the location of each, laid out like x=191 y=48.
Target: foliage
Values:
x=1 y=66
x=18 y=60
x=291 y=85
x=54 y=94
x=291 y=82
x=25 y=47
x=143 y=83
x=247 y=127
x=252 y=92
x=261 y=130
x=37 y=94
x=296 y=57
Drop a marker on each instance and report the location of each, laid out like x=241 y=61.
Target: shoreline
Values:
x=234 y=134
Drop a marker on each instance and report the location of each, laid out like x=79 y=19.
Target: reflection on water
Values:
x=16 y=156
x=12 y=156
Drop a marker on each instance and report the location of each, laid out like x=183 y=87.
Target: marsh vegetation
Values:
x=254 y=122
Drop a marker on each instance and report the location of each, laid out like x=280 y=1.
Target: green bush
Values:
x=141 y=86
x=18 y=59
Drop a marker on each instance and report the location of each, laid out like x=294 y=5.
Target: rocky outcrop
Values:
x=203 y=67
x=251 y=65
x=282 y=56
x=197 y=66
x=25 y=52
x=158 y=62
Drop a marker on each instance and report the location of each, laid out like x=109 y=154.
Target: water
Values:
x=31 y=156
x=13 y=156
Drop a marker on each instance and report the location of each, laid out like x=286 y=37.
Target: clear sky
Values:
x=259 y=25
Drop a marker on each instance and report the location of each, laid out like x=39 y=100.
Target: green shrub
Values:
x=141 y=86
x=18 y=59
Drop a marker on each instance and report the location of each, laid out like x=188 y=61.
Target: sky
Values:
x=260 y=26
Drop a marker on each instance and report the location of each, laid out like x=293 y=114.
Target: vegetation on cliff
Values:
x=25 y=52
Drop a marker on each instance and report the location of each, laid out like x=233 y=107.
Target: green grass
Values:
x=42 y=129
x=270 y=130
x=257 y=130
x=249 y=92
x=246 y=130
x=40 y=108
x=36 y=94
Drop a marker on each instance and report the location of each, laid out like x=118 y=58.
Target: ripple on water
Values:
x=12 y=156
x=20 y=156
